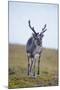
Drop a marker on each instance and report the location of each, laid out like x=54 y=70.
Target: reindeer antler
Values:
x=44 y=28
x=32 y=28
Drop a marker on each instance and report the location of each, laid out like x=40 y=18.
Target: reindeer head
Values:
x=38 y=37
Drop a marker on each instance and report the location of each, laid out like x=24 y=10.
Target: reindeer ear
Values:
x=34 y=36
x=41 y=35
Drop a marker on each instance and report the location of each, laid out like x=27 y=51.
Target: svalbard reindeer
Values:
x=34 y=50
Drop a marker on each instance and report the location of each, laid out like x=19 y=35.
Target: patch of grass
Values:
x=18 y=68
x=31 y=82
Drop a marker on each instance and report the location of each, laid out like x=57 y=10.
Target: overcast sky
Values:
x=39 y=14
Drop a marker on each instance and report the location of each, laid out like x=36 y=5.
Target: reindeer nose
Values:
x=38 y=42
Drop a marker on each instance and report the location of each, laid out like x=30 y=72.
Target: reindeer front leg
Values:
x=38 y=65
x=28 y=65
x=34 y=67
x=31 y=65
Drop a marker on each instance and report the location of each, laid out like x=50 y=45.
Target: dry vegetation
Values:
x=18 y=68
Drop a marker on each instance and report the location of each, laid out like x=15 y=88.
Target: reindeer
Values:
x=34 y=50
